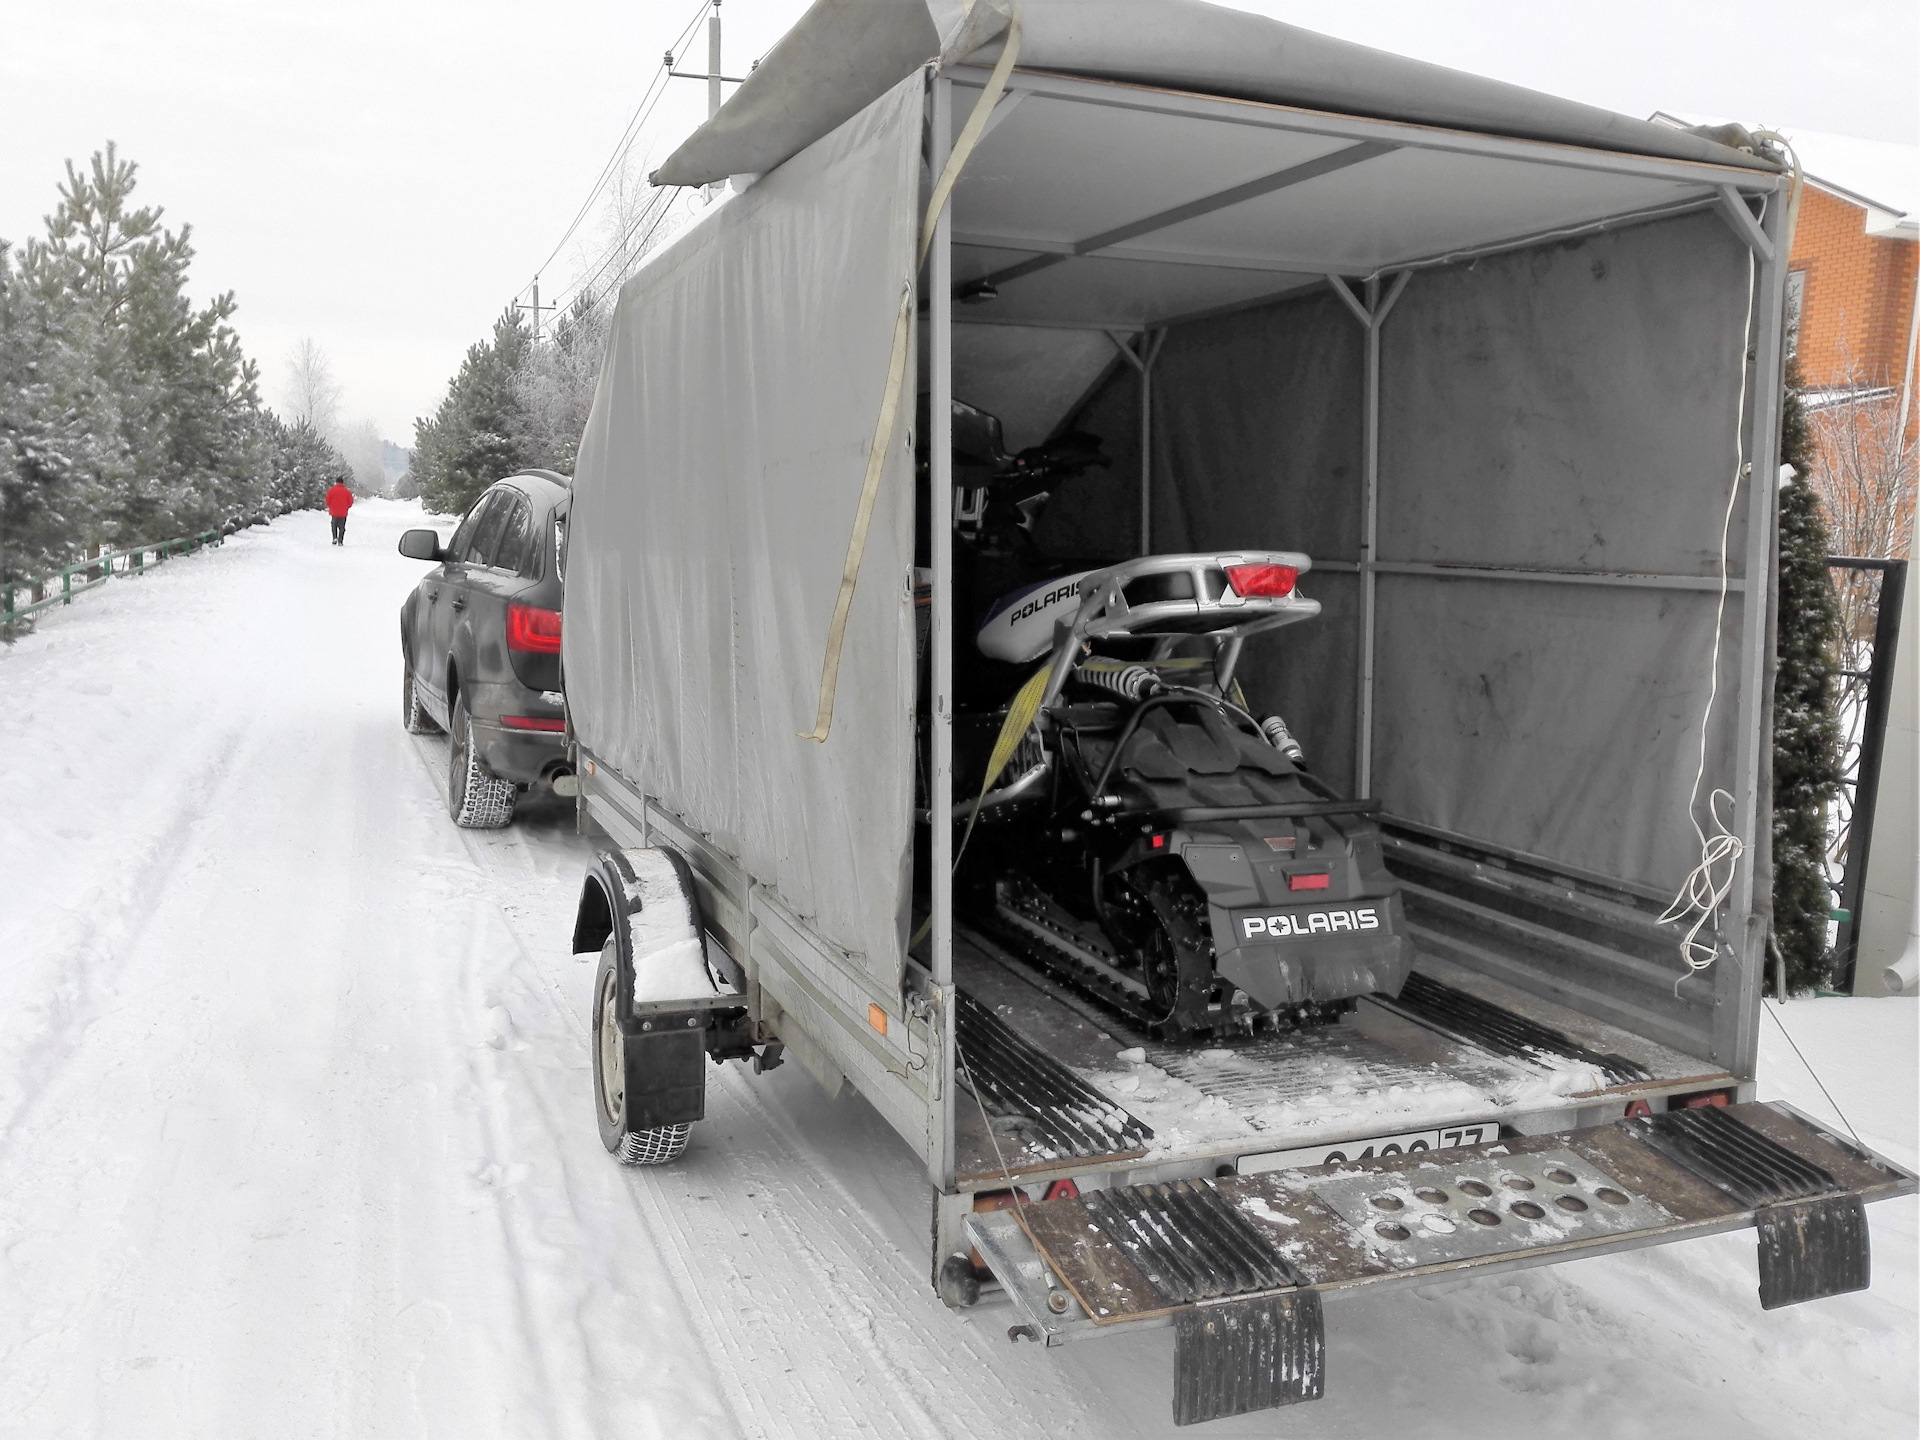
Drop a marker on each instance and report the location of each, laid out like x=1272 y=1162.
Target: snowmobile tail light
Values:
x=1159 y=842
x=1251 y=580
x=532 y=629
x=1309 y=882
x=533 y=722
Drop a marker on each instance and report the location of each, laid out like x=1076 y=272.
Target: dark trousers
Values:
x=339 y=529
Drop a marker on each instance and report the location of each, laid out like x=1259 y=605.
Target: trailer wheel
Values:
x=475 y=799
x=655 y=1146
x=412 y=713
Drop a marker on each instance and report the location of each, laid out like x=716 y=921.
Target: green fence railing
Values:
x=60 y=587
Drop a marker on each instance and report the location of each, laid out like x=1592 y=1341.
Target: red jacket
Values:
x=339 y=500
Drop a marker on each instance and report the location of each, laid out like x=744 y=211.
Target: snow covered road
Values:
x=295 y=1136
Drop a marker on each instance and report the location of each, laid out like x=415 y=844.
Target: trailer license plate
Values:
x=1447 y=1138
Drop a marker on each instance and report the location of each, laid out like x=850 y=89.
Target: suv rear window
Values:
x=486 y=537
x=515 y=550
x=462 y=541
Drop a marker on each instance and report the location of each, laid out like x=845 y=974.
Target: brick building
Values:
x=1852 y=272
x=1851 y=280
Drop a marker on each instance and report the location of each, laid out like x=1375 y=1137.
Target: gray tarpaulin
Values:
x=1574 y=407
x=716 y=487
x=843 y=53
x=1568 y=408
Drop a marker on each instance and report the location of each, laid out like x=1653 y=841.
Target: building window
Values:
x=1796 y=292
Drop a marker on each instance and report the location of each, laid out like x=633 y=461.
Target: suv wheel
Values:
x=412 y=713
x=475 y=799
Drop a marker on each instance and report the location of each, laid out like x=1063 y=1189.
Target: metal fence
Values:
x=60 y=587
x=1866 y=692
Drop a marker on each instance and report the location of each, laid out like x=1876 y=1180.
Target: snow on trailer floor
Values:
x=295 y=1137
x=1376 y=1073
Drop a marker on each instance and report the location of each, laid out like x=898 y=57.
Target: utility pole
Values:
x=713 y=77
x=713 y=61
x=536 y=308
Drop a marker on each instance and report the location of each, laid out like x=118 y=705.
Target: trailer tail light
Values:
x=552 y=724
x=1700 y=1102
x=532 y=629
x=993 y=1200
x=1309 y=882
x=1252 y=580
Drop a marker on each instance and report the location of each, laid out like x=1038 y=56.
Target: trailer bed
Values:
x=1070 y=1088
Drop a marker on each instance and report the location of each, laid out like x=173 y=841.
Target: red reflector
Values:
x=1308 y=882
x=532 y=722
x=1638 y=1108
x=1701 y=1102
x=996 y=1200
x=1248 y=580
x=533 y=629
x=1063 y=1190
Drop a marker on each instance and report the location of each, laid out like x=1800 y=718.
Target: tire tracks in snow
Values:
x=755 y=1279
x=97 y=927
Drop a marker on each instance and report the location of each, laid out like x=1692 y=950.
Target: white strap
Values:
x=896 y=380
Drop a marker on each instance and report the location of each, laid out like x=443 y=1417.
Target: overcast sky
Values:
x=385 y=175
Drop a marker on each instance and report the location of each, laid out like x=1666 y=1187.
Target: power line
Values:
x=652 y=215
x=642 y=113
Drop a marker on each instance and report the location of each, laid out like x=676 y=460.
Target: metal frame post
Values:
x=1142 y=362
x=1372 y=314
x=1737 y=977
x=940 y=527
x=1369 y=543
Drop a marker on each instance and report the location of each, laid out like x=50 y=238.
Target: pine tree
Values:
x=126 y=413
x=474 y=438
x=556 y=382
x=301 y=465
x=1806 y=728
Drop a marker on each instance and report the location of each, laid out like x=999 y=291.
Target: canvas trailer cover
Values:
x=1506 y=367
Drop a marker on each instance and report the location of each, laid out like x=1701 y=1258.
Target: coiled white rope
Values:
x=1710 y=882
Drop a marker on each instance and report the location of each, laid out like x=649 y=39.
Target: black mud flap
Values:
x=1231 y=1357
x=1813 y=1235
x=1812 y=1250
x=1238 y=1267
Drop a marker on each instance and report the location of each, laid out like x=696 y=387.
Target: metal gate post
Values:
x=940 y=527
x=1873 y=743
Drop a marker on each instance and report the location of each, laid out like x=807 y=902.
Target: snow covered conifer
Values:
x=1806 y=728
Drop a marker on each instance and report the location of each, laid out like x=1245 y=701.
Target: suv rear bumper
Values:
x=526 y=757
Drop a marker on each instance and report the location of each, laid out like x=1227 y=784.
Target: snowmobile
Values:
x=1129 y=825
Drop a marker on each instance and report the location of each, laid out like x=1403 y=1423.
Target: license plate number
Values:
x=1446 y=1138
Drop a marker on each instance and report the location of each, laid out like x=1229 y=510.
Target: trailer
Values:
x=1500 y=372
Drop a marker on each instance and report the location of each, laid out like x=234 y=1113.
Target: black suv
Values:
x=480 y=645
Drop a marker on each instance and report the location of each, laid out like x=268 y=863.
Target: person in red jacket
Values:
x=339 y=501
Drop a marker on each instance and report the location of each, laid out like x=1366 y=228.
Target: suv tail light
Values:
x=533 y=629
x=1251 y=580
